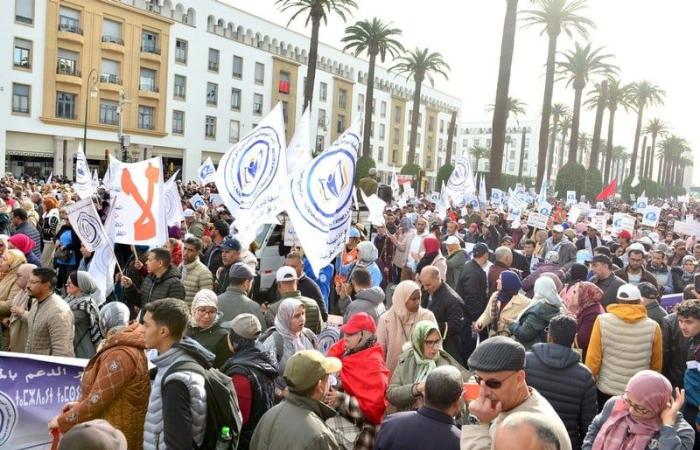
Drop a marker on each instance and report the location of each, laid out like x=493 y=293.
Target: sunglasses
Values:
x=492 y=383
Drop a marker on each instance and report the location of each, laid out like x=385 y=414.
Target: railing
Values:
x=110 y=78
x=24 y=63
x=149 y=87
x=69 y=25
x=23 y=19
x=213 y=66
x=113 y=40
x=150 y=49
x=67 y=69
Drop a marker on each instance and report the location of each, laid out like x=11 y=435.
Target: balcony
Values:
x=23 y=19
x=113 y=43
x=150 y=52
x=213 y=66
x=70 y=30
x=149 y=90
x=24 y=63
x=68 y=73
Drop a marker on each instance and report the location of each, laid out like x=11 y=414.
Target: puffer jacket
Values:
x=213 y=339
x=187 y=349
x=558 y=375
x=195 y=277
x=370 y=300
x=115 y=387
x=455 y=263
x=529 y=328
x=154 y=288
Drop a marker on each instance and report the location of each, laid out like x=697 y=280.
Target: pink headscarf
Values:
x=622 y=431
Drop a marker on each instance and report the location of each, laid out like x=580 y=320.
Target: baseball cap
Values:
x=307 y=367
x=462 y=221
x=628 y=293
x=96 y=434
x=359 y=322
x=558 y=228
x=452 y=240
x=353 y=233
x=286 y=273
x=188 y=213
x=241 y=271
x=624 y=234
x=231 y=244
x=480 y=249
x=246 y=326
x=648 y=290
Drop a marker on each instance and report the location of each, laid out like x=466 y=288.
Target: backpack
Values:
x=279 y=342
x=222 y=403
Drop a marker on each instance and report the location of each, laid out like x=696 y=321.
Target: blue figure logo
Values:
x=334 y=183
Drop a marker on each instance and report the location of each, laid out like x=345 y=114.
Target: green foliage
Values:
x=571 y=177
x=443 y=175
x=412 y=169
x=509 y=181
x=594 y=184
x=364 y=163
x=651 y=188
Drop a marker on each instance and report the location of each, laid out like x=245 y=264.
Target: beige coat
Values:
x=18 y=324
x=50 y=328
x=195 y=277
x=509 y=313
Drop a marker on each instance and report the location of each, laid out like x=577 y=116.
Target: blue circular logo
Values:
x=459 y=176
x=8 y=418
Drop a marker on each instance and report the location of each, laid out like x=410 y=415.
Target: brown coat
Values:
x=18 y=323
x=115 y=387
x=50 y=328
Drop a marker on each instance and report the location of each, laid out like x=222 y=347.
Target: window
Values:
x=319 y=143
x=67 y=63
x=112 y=32
x=511 y=167
x=257 y=104
x=146 y=117
x=488 y=142
x=382 y=109
x=23 y=53
x=213 y=60
x=210 y=127
x=323 y=91
x=259 y=73
x=110 y=71
x=342 y=98
x=397 y=114
x=371 y=130
x=181 y=51
x=212 y=94
x=24 y=11
x=69 y=20
x=285 y=110
x=65 y=105
x=380 y=154
x=477 y=142
x=108 y=112
x=149 y=42
x=237 y=67
x=527 y=142
x=431 y=124
x=20 y=98
x=442 y=126
x=234 y=131
x=360 y=102
x=397 y=136
x=178 y=122
x=284 y=82
x=322 y=119
x=382 y=131
x=147 y=80
x=340 y=125
x=180 y=87
x=235 y=99
x=394 y=154
x=465 y=142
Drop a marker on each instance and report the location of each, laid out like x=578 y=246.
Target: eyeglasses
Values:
x=492 y=383
x=209 y=311
x=637 y=408
x=433 y=343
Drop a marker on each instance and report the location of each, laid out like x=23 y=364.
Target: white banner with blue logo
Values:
x=651 y=216
x=172 y=204
x=251 y=174
x=319 y=199
x=207 y=172
x=461 y=181
x=497 y=196
x=545 y=208
x=83 y=177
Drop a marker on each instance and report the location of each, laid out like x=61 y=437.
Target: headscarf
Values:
x=406 y=224
x=557 y=282
x=510 y=285
x=546 y=292
x=22 y=242
x=423 y=365
x=283 y=319
x=432 y=249
x=366 y=254
x=14 y=259
x=87 y=301
x=205 y=297
x=112 y=315
x=588 y=294
x=402 y=293
x=3 y=238
x=88 y=286
x=622 y=431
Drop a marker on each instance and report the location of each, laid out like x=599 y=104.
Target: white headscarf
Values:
x=287 y=308
x=545 y=291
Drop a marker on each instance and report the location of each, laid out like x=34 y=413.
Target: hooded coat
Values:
x=370 y=300
x=213 y=338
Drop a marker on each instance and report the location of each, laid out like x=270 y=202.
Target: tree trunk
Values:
x=573 y=144
x=418 y=80
x=476 y=169
x=598 y=127
x=564 y=133
x=522 y=156
x=500 y=111
x=552 y=143
x=608 y=151
x=546 y=112
x=637 y=133
x=643 y=161
x=313 y=56
x=369 y=95
x=450 y=137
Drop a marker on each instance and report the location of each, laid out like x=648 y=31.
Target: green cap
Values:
x=307 y=367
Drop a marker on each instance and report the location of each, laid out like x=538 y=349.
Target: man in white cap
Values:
x=634 y=272
x=555 y=240
x=287 y=288
x=456 y=259
x=620 y=344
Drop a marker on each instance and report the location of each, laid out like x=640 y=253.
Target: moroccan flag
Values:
x=608 y=191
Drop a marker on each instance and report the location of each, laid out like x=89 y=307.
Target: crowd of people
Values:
x=457 y=330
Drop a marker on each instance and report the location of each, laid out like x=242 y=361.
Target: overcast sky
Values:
x=651 y=40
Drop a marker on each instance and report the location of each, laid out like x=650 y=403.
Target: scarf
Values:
x=423 y=365
x=545 y=291
x=366 y=254
x=510 y=286
x=585 y=294
x=622 y=431
x=88 y=286
x=87 y=304
x=283 y=320
x=432 y=250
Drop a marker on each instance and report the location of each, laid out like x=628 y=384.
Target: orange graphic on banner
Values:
x=145 y=225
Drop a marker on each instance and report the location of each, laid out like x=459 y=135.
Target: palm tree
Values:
x=375 y=38
x=584 y=141
x=419 y=64
x=642 y=94
x=622 y=157
x=618 y=95
x=554 y=16
x=671 y=150
x=558 y=110
x=577 y=67
x=513 y=106
x=450 y=137
x=565 y=125
x=655 y=127
x=479 y=152
x=500 y=112
x=597 y=99
x=315 y=11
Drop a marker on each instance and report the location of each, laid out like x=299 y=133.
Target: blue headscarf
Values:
x=510 y=286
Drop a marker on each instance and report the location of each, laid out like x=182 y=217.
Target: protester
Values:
x=84 y=298
x=86 y=258
x=10 y=263
x=432 y=257
x=504 y=260
x=456 y=259
x=679 y=253
x=688 y=313
x=231 y=251
x=575 y=274
x=635 y=273
x=368 y=299
x=95 y=434
x=49 y=226
x=446 y=306
x=529 y=430
x=67 y=250
x=26 y=246
x=684 y=275
x=162 y=281
x=585 y=307
x=195 y=274
x=386 y=249
x=473 y=288
x=605 y=278
x=367 y=255
x=18 y=308
x=650 y=300
x=402 y=242
x=307 y=287
x=503 y=307
x=50 y=321
x=287 y=288
x=416 y=249
x=235 y=300
x=212 y=256
x=676 y=344
x=529 y=327
x=550 y=265
x=205 y=326
x=22 y=226
x=658 y=267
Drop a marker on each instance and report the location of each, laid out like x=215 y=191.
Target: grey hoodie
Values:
x=369 y=300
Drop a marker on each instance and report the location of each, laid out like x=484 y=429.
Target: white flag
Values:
x=111 y=179
x=375 y=206
x=251 y=175
x=138 y=216
x=207 y=172
x=83 y=179
x=319 y=199
x=48 y=180
x=172 y=205
x=394 y=185
x=461 y=180
x=299 y=148
x=482 y=192
x=95 y=180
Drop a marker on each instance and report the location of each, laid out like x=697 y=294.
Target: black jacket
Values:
x=522 y=263
x=214 y=339
x=448 y=309
x=675 y=351
x=556 y=372
x=595 y=242
x=472 y=286
x=678 y=283
x=492 y=240
x=153 y=288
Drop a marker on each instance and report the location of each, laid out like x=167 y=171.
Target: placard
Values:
x=599 y=223
x=622 y=221
x=570 y=197
x=651 y=216
x=537 y=220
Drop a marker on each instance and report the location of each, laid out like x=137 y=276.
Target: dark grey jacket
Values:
x=29 y=230
x=154 y=288
x=448 y=308
x=370 y=300
x=675 y=351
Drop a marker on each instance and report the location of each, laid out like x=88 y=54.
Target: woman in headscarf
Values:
x=252 y=372
x=585 y=306
x=529 y=327
x=19 y=314
x=205 y=325
x=685 y=274
x=395 y=326
x=4 y=244
x=360 y=395
x=24 y=244
x=504 y=306
x=432 y=257
x=645 y=417
x=84 y=298
x=9 y=264
x=575 y=274
x=32 y=215
x=367 y=255
x=422 y=355
x=49 y=226
x=402 y=242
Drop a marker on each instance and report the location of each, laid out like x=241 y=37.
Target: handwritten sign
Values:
x=537 y=220
x=599 y=223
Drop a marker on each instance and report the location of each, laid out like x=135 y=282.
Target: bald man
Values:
x=530 y=430
x=448 y=308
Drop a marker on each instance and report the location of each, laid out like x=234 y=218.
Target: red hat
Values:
x=359 y=322
x=624 y=234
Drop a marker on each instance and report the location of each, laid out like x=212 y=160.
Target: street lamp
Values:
x=94 y=91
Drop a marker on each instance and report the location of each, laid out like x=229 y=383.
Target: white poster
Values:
x=622 y=221
x=497 y=196
x=83 y=177
x=537 y=220
x=599 y=223
x=394 y=185
x=172 y=204
x=574 y=213
x=207 y=172
x=642 y=204
x=687 y=228
x=376 y=206
x=570 y=197
x=299 y=148
x=197 y=201
x=545 y=208
x=651 y=216
x=461 y=180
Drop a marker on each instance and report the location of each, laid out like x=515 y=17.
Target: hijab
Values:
x=88 y=286
x=205 y=297
x=114 y=314
x=432 y=249
x=22 y=242
x=367 y=253
x=87 y=301
x=283 y=320
x=423 y=365
x=402 y=293
x=546 y=292
x=406 y=224
x=588 y=294
x=622 y=431
x=14 y=259
x=510 y=286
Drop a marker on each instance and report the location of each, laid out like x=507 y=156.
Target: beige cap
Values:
x=307 y=367
x=246 y=326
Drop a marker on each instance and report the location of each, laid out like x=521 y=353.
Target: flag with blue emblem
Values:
x=83 y=177
x=207 y=172
x=394 y=185
x=461 y=181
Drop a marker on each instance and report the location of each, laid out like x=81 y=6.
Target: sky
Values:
x=650 y=40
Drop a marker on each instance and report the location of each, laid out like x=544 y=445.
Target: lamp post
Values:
x=94 y=91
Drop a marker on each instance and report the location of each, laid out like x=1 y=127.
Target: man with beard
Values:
x=635 y=273
x=661 y=271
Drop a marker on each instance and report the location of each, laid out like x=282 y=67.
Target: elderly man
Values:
x=554 y=242
x=499 y=368
x=504 y=260
x=531 y=431
x=520 y=263
x=456 y=259
x=447 y=307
